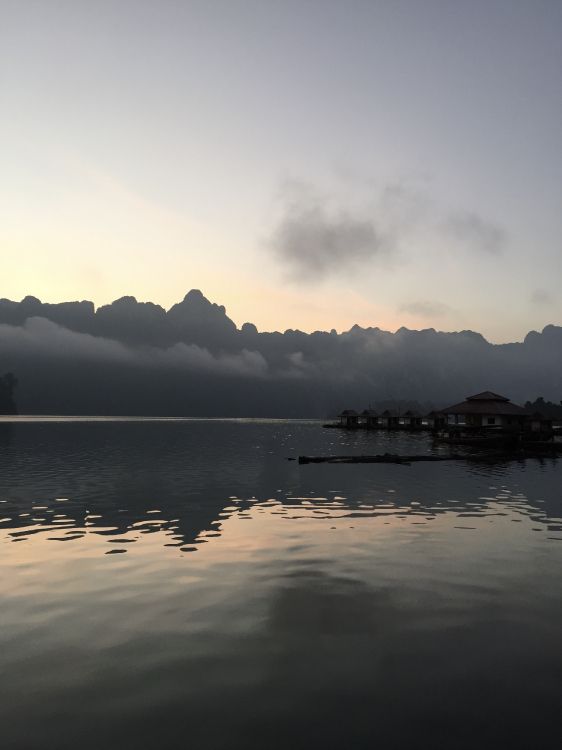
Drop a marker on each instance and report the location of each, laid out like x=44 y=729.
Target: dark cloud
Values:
x=314 y=244
x=475 y=232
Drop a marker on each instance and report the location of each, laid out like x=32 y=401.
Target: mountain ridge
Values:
x=133 y=357
x=83 y=314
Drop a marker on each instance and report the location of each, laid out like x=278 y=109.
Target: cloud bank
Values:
x=41 y=339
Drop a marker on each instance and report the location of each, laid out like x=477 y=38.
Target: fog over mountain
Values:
x=137 y=358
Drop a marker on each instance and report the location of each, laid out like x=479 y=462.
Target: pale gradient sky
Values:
x=150 y=147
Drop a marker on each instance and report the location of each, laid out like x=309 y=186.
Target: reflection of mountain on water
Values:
x=114 y=478
x=186 y=479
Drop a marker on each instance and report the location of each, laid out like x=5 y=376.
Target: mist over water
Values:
x=181 y=580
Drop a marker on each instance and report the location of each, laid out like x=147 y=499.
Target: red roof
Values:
x=487 y=396
x=487 y=403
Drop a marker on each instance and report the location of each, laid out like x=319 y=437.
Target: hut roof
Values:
x=487 y=396
x=349 y=413
x=369 y=413
x=487 y=403
x=434 y=413
x=411 y=413
x=388 y=413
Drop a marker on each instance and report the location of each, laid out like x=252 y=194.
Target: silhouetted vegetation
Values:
x=548 y=409
x=7 y=387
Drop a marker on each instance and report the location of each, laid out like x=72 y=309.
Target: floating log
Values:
x=384 y=458
x=380 y=427
x=391 y=458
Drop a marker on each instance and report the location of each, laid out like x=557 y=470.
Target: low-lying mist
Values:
x=137 y=358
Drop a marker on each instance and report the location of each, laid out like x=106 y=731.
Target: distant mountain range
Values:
x=134 y=357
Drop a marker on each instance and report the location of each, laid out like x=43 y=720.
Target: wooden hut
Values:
x=434 y=420
x=369 y=418
x=389 y=419
x=349 y=418
x=411 y=419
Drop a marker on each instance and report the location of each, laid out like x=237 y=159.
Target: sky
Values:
x=308 y=164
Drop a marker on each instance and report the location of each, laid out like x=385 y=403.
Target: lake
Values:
x=180 y=583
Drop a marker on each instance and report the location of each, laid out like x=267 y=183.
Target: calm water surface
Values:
x=169 y=584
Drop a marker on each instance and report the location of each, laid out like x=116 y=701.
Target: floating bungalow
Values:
x=389 y=419
x=487 y=409
x=488 y=424
x=348 y=418
x=410 y=419
x=484 y=415
x=369 y=418
x=434 y=420
x=489 y=417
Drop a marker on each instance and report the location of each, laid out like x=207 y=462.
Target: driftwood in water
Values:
x=385 y=458
x=391 y=458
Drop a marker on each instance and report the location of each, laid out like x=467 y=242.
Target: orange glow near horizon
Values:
x=270 y=308
x=314 y=519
